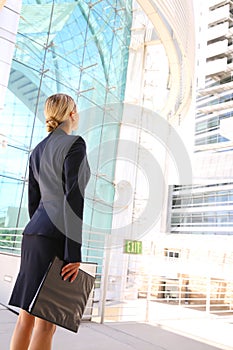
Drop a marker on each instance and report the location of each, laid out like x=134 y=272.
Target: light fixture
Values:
x=3 y=142
x=2 y=3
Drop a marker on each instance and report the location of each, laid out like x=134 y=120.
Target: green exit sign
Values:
x=133 y=247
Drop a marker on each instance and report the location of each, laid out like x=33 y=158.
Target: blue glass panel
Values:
x=79 y=48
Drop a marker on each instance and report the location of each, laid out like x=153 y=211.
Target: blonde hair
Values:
x=57 y=109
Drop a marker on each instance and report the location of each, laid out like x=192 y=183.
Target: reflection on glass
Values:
x=75 y=47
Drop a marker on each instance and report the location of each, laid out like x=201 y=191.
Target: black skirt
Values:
x=37 y=252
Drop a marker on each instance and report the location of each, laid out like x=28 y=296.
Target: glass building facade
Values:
x=215 y=97
x=207 y=208
x=202 y=209
x=82 y=48
x=74 y=47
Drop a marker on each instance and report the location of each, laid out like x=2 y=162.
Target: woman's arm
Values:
x=33 y=192
x=76 y=174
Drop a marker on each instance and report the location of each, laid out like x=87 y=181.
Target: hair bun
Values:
x=51 y=124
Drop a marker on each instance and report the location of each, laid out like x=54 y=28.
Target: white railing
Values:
x=212 y=296
x=130 y=294
x=10 y=240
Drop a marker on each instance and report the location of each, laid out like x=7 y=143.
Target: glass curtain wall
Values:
x=79 y=48
x=202 y=209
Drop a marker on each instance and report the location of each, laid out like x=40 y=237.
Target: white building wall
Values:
x=147 y=90
x=210 y=166
x=219 y=15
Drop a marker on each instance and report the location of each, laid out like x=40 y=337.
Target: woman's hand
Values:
x=70 y=271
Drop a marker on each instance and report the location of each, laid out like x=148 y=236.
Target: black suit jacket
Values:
x=58 y=174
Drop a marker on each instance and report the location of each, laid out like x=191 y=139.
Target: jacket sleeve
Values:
x=76 y=174
x=34 y=194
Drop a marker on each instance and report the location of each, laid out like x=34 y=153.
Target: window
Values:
x=171 y=254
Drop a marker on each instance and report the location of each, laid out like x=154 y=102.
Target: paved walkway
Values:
x=122 y=336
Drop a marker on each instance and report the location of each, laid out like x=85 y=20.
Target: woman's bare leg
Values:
x=22 y=333
x=42 y=335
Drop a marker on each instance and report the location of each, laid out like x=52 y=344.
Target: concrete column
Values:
x=9 y=19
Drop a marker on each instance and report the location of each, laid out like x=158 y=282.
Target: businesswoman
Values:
x=58 y=175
